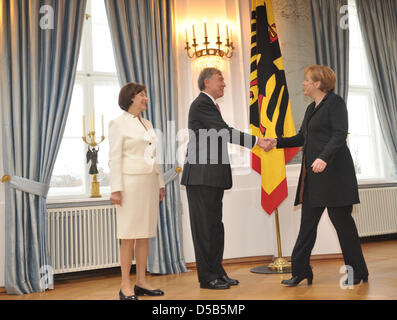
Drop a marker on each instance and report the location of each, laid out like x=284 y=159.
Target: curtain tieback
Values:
x=27 y=185
x=171 y=174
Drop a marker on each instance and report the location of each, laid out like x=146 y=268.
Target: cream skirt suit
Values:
x=135 y=172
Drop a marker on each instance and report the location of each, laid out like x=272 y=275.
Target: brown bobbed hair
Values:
x=128 y=93
x=323 y=74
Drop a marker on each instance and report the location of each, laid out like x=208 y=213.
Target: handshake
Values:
x=266 y=144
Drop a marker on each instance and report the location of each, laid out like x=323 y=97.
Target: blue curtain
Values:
x=40 y=43
x=141 y=32
x=378 y=22
x=331 y=41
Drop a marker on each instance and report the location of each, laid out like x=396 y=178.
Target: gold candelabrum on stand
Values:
x=92 y=154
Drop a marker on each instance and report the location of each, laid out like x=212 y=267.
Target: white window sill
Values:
x=74 y=201
x=363 y=183
x=71 y=199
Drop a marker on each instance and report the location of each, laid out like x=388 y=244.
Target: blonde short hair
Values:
x=323 y=74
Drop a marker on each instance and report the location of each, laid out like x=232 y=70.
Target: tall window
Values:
x=96 y=87
x=371 y=159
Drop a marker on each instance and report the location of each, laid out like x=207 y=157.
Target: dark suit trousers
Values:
x=347 y=233
x=205 y=209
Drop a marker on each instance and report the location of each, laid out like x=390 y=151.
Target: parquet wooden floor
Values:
x=381 y=259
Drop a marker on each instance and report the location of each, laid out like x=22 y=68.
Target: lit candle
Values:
x=231 y=34
x=194 y=33
x=227 y=32
x=205 y=27
x=217 y=27
x=186 y=37
x=102 y=127
x=84 y=126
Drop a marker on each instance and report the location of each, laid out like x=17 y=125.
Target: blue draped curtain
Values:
x=331 y=40
x=39 y=46
x=141 y=32
x=378 y=22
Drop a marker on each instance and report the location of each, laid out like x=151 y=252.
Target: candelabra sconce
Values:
x=92 y=154
x=223 y=50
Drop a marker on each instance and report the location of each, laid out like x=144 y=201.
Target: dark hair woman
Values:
x=137 y=186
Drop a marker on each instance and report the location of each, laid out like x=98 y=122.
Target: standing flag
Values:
x=270 y=108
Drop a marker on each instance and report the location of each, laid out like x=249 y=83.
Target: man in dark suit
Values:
x=207 y=173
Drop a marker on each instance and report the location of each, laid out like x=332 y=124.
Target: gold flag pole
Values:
x=279 y=265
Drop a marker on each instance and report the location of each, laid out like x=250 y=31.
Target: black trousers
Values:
x=205 y=209
x=347 y=233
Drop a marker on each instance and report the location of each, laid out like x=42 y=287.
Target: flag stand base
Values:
x=280 y=265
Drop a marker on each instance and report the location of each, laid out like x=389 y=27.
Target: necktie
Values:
x=217 y=105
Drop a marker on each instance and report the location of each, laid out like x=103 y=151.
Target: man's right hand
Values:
x=115 y=197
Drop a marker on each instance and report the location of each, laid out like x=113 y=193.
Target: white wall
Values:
x=249 y=231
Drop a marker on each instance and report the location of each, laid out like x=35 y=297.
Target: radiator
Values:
x=82 y=238
x=376 y=214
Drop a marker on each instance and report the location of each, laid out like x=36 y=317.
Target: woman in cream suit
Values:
x=137 y=186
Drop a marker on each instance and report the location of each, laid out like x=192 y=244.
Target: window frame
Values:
x=375 y=134
x=87 y=77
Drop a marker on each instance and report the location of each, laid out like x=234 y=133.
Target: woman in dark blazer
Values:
x=327 y=178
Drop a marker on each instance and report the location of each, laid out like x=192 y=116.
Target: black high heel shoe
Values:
x=294 y=281
x=356 y=280
x=142 y=291
x=124 y=297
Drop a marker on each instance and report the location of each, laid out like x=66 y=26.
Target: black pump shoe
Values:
x=294 y=281
x=124 y=297
x=355 y=281
x=142 y=291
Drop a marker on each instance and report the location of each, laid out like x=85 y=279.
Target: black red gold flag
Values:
x=270 y=108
